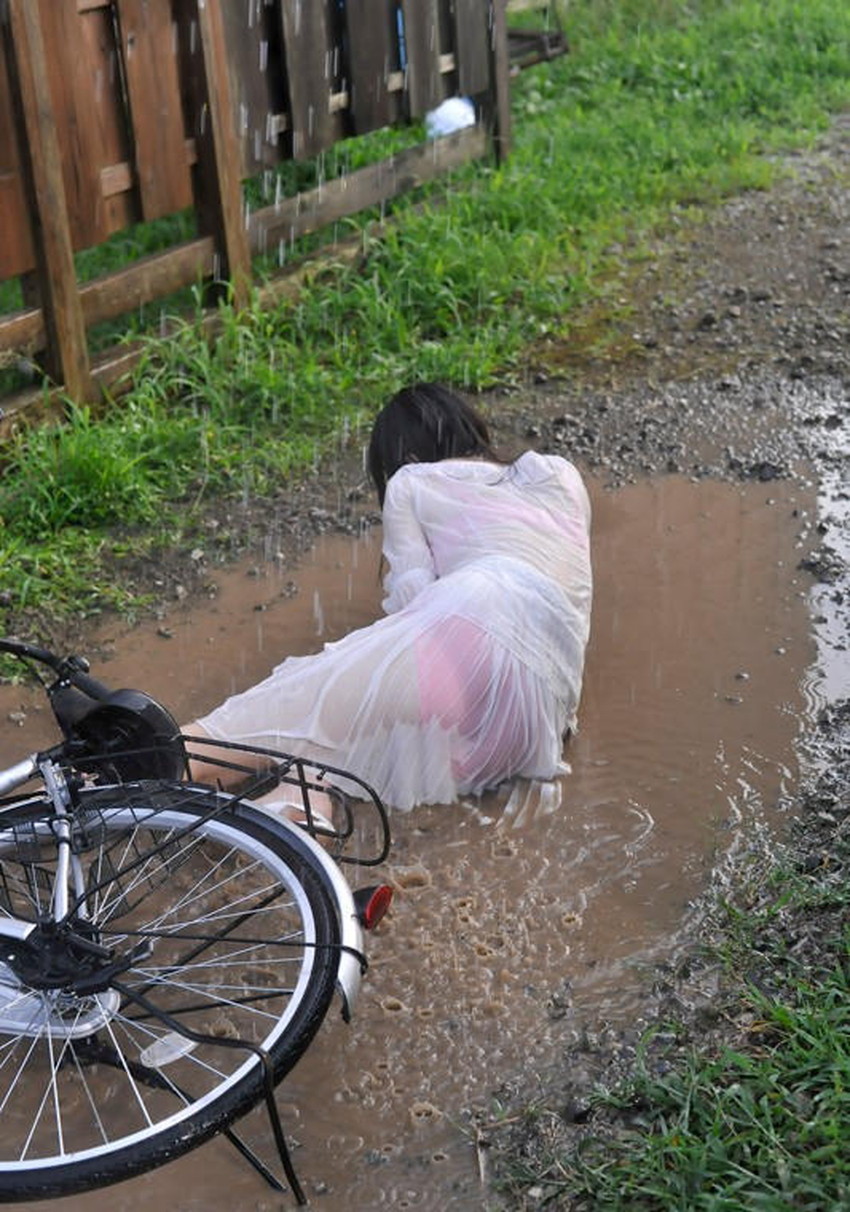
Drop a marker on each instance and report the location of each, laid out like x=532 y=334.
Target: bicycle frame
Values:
x=69 y=885
x=69 y=891
x=135 y=903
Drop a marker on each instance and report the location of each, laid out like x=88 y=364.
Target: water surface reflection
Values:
x=525 y=914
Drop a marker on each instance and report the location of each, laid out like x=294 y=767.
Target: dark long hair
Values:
x=424 y=423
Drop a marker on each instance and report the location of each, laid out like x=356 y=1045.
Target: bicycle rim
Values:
x=97 y=1084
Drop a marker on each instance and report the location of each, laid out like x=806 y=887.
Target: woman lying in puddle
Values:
x=473 y=675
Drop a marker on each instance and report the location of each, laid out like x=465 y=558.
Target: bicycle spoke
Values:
x=232 y=968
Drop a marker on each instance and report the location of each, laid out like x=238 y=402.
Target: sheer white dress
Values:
x=474 y=673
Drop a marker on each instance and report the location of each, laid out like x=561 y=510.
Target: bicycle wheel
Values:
x=198 y=939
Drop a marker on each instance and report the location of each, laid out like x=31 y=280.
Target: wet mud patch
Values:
x=523 y=933
x=522 y=916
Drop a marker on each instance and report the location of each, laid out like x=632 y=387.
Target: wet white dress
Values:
x=474 y=673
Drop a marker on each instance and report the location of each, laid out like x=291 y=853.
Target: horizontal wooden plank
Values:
x=116 y=179
x=308 y=212
x=119 y=178
x=161 y=274
x=528 y=47
x=22 y=332
x=147 y=280
x=130 y=81
x=29 y=407
x=524 y=6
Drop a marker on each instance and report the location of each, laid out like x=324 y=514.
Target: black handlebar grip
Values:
x=87 y=684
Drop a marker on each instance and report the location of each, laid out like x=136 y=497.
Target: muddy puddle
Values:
x=522 y=916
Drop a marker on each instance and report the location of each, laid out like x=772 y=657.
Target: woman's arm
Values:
x=406 y=549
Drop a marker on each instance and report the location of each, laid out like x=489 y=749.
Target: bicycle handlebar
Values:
x=73 y=670
x=20 y=649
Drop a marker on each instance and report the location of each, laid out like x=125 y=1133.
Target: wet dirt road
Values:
x=521 y=917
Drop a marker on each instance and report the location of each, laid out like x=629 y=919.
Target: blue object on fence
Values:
x=402 y=45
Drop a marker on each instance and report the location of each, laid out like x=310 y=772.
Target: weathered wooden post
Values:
x=55 y=278
x=501 y=73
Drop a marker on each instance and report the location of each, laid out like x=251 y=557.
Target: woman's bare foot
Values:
x=210 y=763
x=289 y=806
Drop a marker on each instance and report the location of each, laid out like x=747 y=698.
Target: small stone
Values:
x=764 y=471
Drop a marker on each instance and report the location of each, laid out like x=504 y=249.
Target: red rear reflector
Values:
x=372 y=904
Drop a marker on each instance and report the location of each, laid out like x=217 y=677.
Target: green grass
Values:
x=756 y=1120
x=658 y=105
x=759 y=1127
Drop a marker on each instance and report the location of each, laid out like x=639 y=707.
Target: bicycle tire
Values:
x=244 y=936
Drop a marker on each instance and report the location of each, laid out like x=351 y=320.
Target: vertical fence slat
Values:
x=473 y=47
x=89 y=110
x=309 y=51
x=501 y=71
x=16 y=248
x=373 y=57
x=422 y=48
x=252 y=33
x=73 y=111
x=56 y=275
x=149 y=56
x=98 y=69
x=218 y=181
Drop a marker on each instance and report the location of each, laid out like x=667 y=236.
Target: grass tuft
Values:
x=657 y=105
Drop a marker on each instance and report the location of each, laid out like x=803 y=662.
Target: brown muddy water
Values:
x=525 y=915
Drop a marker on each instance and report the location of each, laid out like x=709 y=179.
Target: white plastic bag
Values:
x=455 y=113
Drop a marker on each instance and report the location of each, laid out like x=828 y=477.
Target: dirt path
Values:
x=732 y=361
x=728 y=358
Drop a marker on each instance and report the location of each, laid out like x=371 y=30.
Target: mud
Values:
x=522 y=914
x=535 y=927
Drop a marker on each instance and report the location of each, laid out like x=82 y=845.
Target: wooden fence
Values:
x=116 y=112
